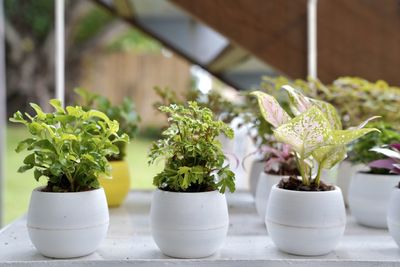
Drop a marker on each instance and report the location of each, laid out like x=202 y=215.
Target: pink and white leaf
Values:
x=272 y=112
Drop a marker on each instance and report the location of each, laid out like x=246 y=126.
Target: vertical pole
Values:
x=3 y=122
x=60 y=51
x=312 y=38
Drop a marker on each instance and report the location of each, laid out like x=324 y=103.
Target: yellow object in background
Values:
x=118 y=186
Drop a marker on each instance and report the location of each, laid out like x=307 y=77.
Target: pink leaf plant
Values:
x=392 y=162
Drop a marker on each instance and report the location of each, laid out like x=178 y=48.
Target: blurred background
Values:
x=127 y=47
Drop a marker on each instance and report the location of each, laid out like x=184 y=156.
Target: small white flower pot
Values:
x=257 y=167
x=393 y=215
x=265 y=183
x=189 y=225
x=346 y=171
x=369 y=196
x=67 y=225
x=305 y=223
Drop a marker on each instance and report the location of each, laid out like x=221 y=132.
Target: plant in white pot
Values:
x=306 y=216
x=281 y=163
x=392 y=164
x=68 y=217
x=189 y=214
x=369 y=191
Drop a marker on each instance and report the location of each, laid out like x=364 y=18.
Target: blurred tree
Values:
x=30 y=46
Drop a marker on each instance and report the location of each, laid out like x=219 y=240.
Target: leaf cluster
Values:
x=314 y=132
x=124 y=113
x=194 y=160
x=69 y=146
x=360 y=149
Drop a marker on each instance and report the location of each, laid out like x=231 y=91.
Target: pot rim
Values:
x=335 y=191
x=378 y=174
x=38 y=189
x=187 y=193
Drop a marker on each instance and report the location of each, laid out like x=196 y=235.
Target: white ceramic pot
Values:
x=369 y=196
x=265 y=183
x=67 y=225
x=189 y=225
x=346 y=171
x=393 y=215
x=305 y=223
x=257 y=167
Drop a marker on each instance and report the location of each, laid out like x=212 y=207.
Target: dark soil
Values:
x=194 y=188
x=63 y=187
x=284 y=172
x=292 y=183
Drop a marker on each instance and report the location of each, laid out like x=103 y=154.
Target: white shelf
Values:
x=129 y=243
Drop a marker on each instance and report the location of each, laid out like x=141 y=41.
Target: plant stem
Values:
x=304 y=177
x=318 y=177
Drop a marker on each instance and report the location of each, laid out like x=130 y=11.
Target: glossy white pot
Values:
x=257 y=167
x=189 y=225
x=346 y=171
x=305 y=223
x=369 y=196
x=393 y=215
x=67 y=225
x=265 y=183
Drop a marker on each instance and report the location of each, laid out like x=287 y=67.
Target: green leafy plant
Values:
x=360 y=150
x=194 y=161
x=124 y=113
x=314 y=133
x=68 y=146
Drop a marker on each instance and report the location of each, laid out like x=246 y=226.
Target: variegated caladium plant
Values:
x=314 y=132
x=392 y=162
x=68 y=146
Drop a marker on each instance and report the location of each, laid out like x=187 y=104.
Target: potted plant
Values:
x=281 y=163
x=355 y=99
x=189 y=215
x=118 y=186
x=392 y=164
x=306 y=216
x=369 y=190
x=68 y=217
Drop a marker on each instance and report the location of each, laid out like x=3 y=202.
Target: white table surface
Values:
x=129 y=243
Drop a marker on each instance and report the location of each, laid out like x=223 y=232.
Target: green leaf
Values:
x=41 y=115
x=270 y=109
x=330 y=113
x=343 y=137
x=306 y=132
x=24 y=144
x=37 y=174
x=24 y=168
x=329 y=156
x=56 y=103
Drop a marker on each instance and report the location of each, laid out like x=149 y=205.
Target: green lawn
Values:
x=18 y=186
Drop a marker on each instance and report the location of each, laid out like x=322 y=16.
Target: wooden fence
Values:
x=121 y=74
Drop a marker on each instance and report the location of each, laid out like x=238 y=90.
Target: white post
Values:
x=312 y=38
x=60 y=51
x=3 y=111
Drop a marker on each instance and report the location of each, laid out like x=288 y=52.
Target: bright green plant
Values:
x=124 y=113
x=314 y=133
x=360 y=150
x=68 y=146
x=194 y=161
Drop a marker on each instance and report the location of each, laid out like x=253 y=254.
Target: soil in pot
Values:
x=295 y=184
